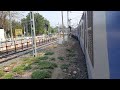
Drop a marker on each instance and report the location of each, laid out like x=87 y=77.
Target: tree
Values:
x=53 y=30
x=40 y=22
x=4 y=19
x=16 y=25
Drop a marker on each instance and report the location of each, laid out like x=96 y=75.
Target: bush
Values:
x=68 y=50
x=1 y=73
x=43 y=58
x=18 y=69
x=28 y=60
x=49 y=53
x=64 y=66
x=52 y=59
x=40 y=74
x=70 y=55
x=60 y=58
x=47 y=65
x=27 y=66
x=8 y=76
x=38 y=59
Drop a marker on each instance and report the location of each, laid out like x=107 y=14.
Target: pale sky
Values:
x=55 y=17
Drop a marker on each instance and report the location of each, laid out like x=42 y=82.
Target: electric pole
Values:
x=33 y=33
x=67 y=21
x=62 y=23
x=24 y=31
x=68 y=18
x=10 y=25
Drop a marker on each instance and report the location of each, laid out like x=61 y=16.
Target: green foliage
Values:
x=38 y=59
x=1 y=73
x=39 y=23
x=16 y=25
x=27 y=66
x=29 y=60
x=18 y=69
x=61 y=58
x=52 y=59
x=43 y=58
x=47 y=65
x=53 y=30
x=40 y=74
x=69 y=50
x=8 y=76
x=49 y=53
x=70 y=55
x=64 y=66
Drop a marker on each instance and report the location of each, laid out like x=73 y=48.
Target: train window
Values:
x=85 y=30
x=90 y=18
x=85 y=21
x=90 y=35
x=80 y=30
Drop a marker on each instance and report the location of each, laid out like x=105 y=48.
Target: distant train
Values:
x=99 y=35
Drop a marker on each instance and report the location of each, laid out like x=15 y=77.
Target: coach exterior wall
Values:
x=101 y=66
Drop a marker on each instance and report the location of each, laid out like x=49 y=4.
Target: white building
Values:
x=2 y=35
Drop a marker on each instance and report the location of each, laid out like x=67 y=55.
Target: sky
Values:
x=55 y=17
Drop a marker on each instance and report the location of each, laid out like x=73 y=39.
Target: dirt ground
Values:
x=76 y=63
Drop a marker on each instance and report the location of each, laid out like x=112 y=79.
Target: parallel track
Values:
x=11 y=55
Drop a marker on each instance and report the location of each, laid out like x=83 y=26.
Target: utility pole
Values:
x=58 y=28
x=10 y=25
x=62 y=23
x=24 y=31
x=68 y=21
x=68 y=18
x=33 y=33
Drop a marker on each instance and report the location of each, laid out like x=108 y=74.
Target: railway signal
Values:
x=33 y=33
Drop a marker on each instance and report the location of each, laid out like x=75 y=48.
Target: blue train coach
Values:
x=99 y=36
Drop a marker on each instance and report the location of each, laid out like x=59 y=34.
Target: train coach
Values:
x=99 y=37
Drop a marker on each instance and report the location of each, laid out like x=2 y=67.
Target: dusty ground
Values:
x=77 y=66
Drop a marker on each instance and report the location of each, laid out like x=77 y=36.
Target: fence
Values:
x=22 y=44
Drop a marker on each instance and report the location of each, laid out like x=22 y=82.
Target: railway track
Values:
x=4 y=57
